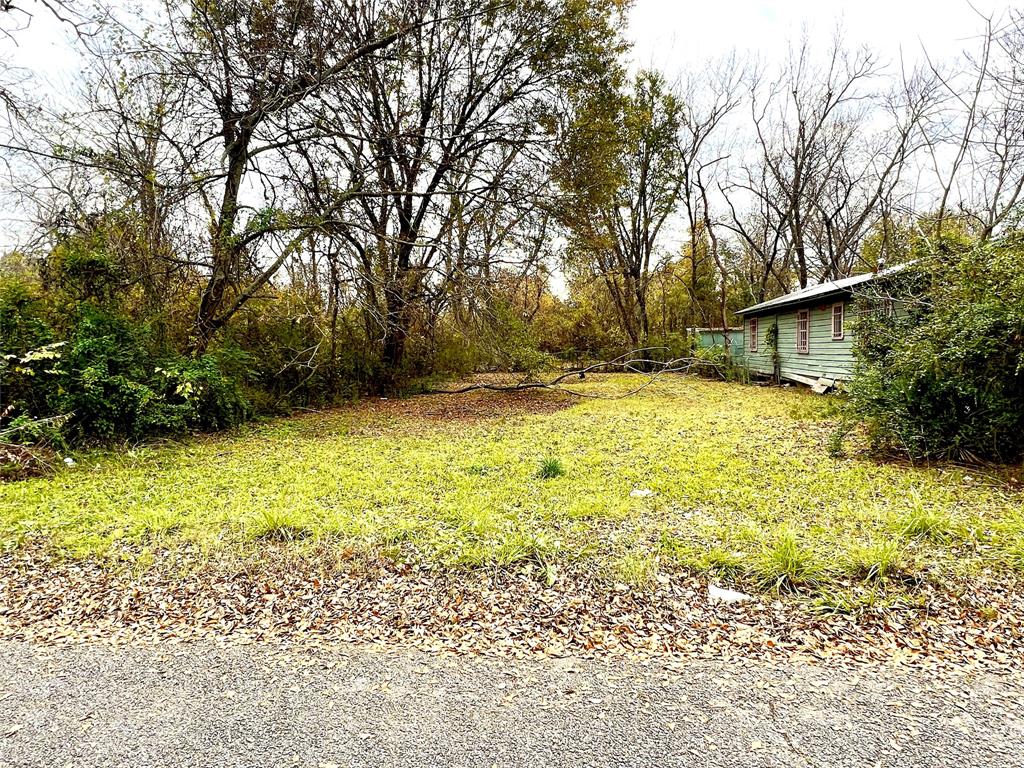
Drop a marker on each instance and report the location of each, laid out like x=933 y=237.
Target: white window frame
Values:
x=752 y=337
x=842 y=321
x=805 y=316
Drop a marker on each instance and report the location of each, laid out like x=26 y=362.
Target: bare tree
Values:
x=976 y=142
x=708 y=102
x=448 y=143
x=833 y=148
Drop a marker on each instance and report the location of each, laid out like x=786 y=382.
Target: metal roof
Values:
x=828 y=288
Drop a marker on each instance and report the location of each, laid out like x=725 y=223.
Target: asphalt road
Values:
x=206 y=705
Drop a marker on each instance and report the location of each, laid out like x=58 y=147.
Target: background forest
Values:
x=249 y=207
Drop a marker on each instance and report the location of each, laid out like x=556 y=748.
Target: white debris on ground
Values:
x=641 y=493
x=727 y=595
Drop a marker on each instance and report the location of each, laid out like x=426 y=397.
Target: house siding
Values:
x=825 y=358
x=715 y=338
x=760 y=361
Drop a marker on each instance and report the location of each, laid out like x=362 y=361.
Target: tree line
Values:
x=256 y=205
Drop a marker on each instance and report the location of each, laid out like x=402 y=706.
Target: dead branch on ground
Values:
x=633 y=361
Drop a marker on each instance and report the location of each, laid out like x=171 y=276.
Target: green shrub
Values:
x=105 y=382
x=510 y=344
x=23 y=324
x=205 y=396
x=672 y=346
x=943 y=375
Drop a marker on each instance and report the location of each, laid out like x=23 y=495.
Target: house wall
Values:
x=708 y=338
x=760 y=361
x=825 y=358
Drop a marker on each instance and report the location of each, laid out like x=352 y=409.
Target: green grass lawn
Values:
x=688 y=474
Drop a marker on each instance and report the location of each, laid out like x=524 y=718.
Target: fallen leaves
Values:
x=506 y=612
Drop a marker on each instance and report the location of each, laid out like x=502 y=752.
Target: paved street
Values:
x=203 y=704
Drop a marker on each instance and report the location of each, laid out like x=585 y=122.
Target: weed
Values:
x=786 y=565
x=550 y=468
x=275 y=525
x=843 y=602
x=836 y=442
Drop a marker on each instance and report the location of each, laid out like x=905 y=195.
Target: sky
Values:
x=675 y=35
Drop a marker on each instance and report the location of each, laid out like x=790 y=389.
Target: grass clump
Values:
x=550 y=468
x=275 y=525
x=786 y=565
x=637 y=569
x=519 y=547
x=877 y=561
x=920 y=523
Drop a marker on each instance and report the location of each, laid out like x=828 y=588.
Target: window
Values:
x=837 y=322
x=752 y=337
x=803 y=331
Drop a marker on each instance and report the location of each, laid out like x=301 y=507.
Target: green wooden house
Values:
x=815 y=333
x=731 y=338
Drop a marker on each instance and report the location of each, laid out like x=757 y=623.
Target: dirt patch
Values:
x=511 y=611
x=19 y=463
x=479 y=405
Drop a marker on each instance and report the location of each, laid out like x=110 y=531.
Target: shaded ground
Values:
x=263 y=706
x=472 y=406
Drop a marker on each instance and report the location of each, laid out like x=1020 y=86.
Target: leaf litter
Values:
x=510 y=612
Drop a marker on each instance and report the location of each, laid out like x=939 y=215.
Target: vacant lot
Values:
x=687 y=474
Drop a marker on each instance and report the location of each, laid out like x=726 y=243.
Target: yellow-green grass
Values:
x=687 y=475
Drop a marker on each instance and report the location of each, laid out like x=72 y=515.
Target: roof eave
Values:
x=774 y=304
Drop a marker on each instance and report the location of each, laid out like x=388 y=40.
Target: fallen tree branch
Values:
x=630 y=362
x=50 y=422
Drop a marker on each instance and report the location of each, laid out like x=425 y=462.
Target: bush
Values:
x=672 y=346
x=22 y=319
x=111 y=384
x=943 y=375
x=510 y=344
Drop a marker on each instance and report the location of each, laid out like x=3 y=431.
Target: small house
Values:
x=814 y=342
x=727 y=338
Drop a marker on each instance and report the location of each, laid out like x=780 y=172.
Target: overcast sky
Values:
x=675 y=34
